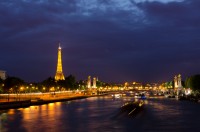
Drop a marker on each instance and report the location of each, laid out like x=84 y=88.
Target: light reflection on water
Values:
x=97 y=114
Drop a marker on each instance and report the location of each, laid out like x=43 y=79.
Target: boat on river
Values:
x=169 y=96
x=140 y=96
x=132 y=108
x=115 y=96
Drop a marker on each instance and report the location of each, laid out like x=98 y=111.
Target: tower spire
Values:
x=59 y=73
x=59 y=46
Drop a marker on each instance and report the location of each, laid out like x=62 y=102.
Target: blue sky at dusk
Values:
x=116 y=40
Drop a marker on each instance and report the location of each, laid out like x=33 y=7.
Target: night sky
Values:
x=116 y=40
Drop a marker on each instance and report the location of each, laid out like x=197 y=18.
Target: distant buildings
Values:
x=3 y=74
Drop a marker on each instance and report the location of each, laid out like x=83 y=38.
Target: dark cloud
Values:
x=178 y=14
x=117 y=40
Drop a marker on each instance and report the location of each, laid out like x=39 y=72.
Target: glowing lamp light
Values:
x=188 y=91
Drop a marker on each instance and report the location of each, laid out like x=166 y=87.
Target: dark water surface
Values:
x=98 y=114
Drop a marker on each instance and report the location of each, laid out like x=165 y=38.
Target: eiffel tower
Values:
x=59 y=74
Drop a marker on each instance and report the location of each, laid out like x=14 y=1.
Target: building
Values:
x=59 y=73
x=3 y=74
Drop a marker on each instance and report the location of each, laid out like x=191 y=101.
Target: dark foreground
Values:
x=99 y=114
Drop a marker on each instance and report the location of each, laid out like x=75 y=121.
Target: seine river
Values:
x=99 y=114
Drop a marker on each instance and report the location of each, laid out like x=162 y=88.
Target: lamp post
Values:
x=21 y=89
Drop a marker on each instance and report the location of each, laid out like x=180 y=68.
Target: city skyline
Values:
x=118 y=41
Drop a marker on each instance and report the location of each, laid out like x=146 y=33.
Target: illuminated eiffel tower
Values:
x=59 y=74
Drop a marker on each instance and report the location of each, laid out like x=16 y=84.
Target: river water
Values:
x=100 y=114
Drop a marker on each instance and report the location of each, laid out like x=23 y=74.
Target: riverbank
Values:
x=33 y=102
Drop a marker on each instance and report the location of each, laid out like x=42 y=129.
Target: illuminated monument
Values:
x=177 y=84
x=91 y=89
x=2 y=75
x=89 y=82
x=94 y=82
x=59 y=74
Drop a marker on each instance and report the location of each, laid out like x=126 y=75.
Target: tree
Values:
x=61 y=83
x=1 y=85
x=187 y=82
x=1 y=81
x=193 y=82
x=49 y=82
x=81 y=84
x=99 y=84
x=14 y=83
x=71 y=82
